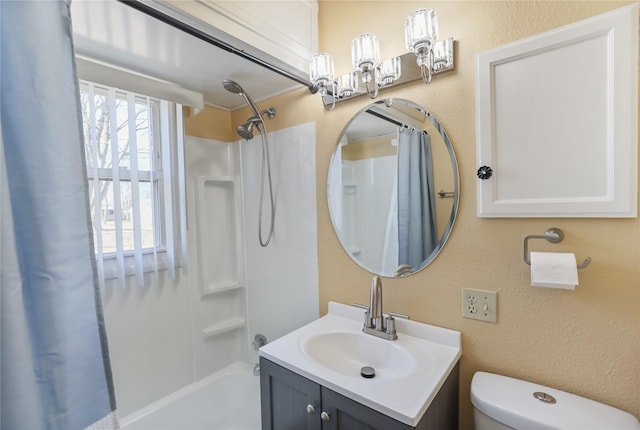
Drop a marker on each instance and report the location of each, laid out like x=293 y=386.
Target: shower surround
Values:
x=171 y=334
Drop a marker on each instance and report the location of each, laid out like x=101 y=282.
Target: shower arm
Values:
x=252 y=105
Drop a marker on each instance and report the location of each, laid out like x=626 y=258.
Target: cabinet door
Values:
x=557 y=122
x=346 y=414
x=285 y=399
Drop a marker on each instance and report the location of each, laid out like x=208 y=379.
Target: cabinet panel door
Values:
x=346 y=414
x=284 y=398
x=557 y=122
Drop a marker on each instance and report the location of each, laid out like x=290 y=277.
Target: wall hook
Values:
x=553 y=235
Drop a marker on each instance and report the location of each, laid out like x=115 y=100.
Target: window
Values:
x=130 y=150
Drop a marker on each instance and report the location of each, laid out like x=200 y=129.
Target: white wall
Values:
x=149 y=332
x=216 y=255
x=374 y=193
x=154 y=332
x=282 y=278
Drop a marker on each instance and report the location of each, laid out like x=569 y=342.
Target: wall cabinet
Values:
x=557 y=121
x=292 y=402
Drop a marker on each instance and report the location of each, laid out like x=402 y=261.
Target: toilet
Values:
x=502 y=403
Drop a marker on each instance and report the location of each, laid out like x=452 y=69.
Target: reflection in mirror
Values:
x=393 y=188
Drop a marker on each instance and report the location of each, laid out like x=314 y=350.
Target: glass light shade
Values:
x=321 y=69
x=348 y=84
x=365 y=51
x=390 y=70
x=421 y=30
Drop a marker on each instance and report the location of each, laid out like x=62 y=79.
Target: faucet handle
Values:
x=397 y=315
x=368 y=322
x=391 y=327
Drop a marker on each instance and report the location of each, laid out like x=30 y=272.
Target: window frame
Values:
x=158 y=257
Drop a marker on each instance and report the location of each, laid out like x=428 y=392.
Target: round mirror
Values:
x=393 y=187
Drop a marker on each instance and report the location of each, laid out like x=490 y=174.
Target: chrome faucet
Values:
x=375 y=322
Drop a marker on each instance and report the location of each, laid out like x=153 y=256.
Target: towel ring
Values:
x=553 y=235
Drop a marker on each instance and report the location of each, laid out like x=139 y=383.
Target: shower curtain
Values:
x=55 y=371
x=417 y=234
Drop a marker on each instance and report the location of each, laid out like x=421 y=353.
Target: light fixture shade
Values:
x=421 y=30
x=348 y=84
x=365 y=51
x=321 y=69
x=390 y=70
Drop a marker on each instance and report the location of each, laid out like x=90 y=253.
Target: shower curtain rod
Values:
x=391 y=120
x=143 y=7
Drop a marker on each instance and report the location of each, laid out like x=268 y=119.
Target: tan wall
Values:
x=211 y=123
x=379 y=146
x=584 y=341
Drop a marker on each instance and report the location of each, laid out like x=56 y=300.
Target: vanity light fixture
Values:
x=322 y=74
x=420 y=35
x=432 y=56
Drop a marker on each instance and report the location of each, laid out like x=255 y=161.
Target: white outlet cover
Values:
x=480 y=304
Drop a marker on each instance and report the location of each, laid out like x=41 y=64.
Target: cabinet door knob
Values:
x=324 y=416
x=484 y=172
x=311 y=409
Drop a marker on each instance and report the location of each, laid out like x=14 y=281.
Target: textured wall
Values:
x=584 y=341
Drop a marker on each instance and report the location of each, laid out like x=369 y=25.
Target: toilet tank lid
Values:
x=511 y=402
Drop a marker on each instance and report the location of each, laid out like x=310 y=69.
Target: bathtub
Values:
x=227 y=400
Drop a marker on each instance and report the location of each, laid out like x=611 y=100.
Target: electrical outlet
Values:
x=479 y=304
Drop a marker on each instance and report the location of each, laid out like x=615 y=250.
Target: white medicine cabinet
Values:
x=557 y=122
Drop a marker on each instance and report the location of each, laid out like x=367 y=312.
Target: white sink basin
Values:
x=348 y=352
x=409 y=371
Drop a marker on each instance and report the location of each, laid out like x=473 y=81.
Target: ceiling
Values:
x=115 y=33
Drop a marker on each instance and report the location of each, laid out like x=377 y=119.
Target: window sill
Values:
x=148 y=264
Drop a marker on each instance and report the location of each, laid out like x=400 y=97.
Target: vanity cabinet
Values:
x=292 y=402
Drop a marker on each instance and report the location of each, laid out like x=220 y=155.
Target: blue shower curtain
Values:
x=55 y=371
x=417 y=234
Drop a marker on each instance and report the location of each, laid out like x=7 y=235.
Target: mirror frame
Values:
x=456 y=185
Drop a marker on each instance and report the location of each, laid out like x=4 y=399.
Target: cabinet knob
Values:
x=484 y=172
x=311 y=409
x=324 y=416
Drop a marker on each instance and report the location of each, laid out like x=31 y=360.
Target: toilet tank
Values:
x=511 y=404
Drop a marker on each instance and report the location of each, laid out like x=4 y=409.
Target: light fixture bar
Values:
x=443 y=62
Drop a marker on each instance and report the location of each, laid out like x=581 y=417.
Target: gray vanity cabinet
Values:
x=285 y=397
x=292 y=402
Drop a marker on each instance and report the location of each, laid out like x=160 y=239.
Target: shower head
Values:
x=235 y=88
x=232 y=86
x=246 y=130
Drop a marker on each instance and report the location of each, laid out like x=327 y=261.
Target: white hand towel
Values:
x=554 y=270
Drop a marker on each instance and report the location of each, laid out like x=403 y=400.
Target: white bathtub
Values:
x=227 y=400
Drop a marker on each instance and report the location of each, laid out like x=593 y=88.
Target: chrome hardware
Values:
x=391 y=326
x=324 y=416
x=375 y=322
x=311 y=410
x=544 y=397
x=395 y=315
x=368 y=372
x=553 y=235
x=403 y=269
x=256 y=369
x=259 y=340
x=443 y=193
